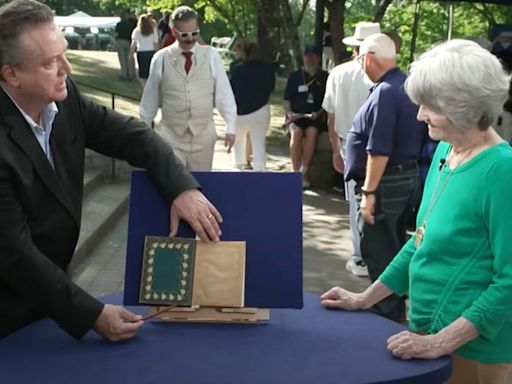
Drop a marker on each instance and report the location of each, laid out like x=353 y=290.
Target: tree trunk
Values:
x=268 y=30
x=290 y=39
x=336 y=17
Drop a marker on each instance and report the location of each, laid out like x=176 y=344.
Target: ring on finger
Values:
x=209 y=216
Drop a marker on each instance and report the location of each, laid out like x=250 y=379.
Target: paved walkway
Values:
x=326 y=238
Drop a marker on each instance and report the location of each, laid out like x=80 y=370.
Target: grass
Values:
x=97 y=74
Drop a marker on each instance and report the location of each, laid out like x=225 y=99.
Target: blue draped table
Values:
x=312 y=345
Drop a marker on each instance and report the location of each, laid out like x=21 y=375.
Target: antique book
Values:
x=189 y=272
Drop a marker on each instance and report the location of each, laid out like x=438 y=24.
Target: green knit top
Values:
x=463 y=266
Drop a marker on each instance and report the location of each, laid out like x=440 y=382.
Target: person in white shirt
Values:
x=347 y=89
x=145 y=43
x=187 y=80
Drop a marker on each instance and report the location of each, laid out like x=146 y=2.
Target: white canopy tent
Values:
x=83 y=20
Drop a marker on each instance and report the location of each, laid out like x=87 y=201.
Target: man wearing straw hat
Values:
x=347 y=89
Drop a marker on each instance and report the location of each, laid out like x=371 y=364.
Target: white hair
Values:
x=460 y=80
x=380 y=44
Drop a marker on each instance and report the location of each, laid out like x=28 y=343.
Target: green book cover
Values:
x=167 y=271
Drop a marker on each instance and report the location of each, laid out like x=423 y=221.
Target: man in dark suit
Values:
x=45 y=126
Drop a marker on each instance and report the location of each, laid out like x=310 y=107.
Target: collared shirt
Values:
x=41 y=132
x=386 y=125
x=224 y=98
x=305 y=92
x=347 y=89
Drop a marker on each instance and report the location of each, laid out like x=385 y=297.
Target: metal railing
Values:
x=113 y=96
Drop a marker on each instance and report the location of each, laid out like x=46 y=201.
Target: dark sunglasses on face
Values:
x=184 y=35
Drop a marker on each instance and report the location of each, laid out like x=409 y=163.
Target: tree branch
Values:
x=485 y=12
x=305 y=4
x=225 y=14
x=381 y=10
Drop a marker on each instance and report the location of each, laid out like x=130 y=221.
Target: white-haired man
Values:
x=187 y=80
x=347 y=89
x=383 y=147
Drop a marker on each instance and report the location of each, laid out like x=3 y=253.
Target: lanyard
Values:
x=313 y=78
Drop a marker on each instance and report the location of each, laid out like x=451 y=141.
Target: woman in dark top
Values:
x=252 y=81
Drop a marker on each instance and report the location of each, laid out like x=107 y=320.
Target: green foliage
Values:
x=307 y=27
x=115 y=6
x=358 y=10
x=470 y=20
x=219 y=17
x=228 y=17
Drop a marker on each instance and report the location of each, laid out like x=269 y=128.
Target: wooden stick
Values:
x=149 y=316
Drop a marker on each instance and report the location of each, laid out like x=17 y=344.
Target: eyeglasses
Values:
x=360 y=58
x=184 y=35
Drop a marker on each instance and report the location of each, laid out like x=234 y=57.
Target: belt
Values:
x=393 y=170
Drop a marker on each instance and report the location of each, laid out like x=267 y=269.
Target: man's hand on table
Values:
x=116 y=323
x=193 y=207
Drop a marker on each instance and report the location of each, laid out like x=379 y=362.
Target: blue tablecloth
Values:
x=312 y=345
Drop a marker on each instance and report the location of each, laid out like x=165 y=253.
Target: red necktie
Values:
x=188 y=60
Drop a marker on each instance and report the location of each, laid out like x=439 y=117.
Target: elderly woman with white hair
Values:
x=457 y=268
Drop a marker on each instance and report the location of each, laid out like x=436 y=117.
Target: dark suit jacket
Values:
x=40 y=208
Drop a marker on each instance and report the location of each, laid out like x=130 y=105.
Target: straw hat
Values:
x=363 y=30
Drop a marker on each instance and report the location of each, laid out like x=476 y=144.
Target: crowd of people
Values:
x=454 y=267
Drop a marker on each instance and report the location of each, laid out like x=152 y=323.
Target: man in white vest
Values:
x=187 y=81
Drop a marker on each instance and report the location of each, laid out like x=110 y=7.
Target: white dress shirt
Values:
x=42 y=131
x=347 y=89
x=224 y=98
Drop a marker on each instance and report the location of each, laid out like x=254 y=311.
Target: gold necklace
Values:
x=420 y=232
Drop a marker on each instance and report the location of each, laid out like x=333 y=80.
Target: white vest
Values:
x=187 y=99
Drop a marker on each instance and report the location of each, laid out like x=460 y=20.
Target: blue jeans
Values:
x=381 y=241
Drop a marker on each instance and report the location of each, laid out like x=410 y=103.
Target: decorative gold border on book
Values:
x=161 y=297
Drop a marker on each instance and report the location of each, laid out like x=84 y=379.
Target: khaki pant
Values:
x=195 y=152
x=465 y=371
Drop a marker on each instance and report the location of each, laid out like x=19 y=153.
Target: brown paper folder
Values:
x=219 y=274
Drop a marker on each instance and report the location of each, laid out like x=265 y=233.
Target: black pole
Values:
x=415 y=30
x=113 y=165
x=319 y=24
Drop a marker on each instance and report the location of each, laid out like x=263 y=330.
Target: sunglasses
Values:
x=184 y=35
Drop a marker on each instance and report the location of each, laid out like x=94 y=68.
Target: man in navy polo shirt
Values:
x=383 y=147
x=302 y=103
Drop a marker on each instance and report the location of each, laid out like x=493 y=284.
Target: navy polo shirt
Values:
x=385 y=125
x=303 y=101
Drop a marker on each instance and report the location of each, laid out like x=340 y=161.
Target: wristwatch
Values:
x=367 y=193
